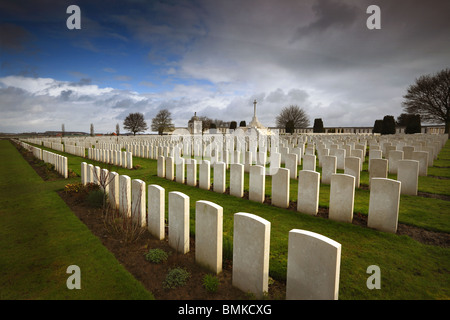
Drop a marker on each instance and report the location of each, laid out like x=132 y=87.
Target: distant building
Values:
x=429 y=129
x=195 y=125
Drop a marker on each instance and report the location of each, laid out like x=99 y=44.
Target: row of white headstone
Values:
x=408 y=164
x=58 y=161
x=421 y=142
x=215 y=148
x=384 y=194
x=55 y=144
x=352 y=165
x=75 y=150
x=313 y=260
x=115 y=157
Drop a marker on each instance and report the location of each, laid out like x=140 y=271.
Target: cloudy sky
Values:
x=213 y=57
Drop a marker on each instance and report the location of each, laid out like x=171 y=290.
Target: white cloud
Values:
x=40 y=104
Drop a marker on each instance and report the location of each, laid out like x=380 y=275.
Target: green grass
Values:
x=40 y=237
x=409 y=269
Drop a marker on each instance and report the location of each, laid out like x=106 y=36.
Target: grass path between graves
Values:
x=409 y=269
x=40 y=237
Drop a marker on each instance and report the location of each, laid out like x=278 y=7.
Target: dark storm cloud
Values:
x=329 y=14
x=65 y=95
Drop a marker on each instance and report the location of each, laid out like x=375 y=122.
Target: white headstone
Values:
x=169 y=168
x=342 y=196
x=251 y=245
x=353 y=168
x=291 y=164
x=113 y=195
x=309 y=162
x=179 y=170
x=407 y=152
x=313 y=268
x=384 y=204
x=280 y=188
x=161 y=167
x=191 y=172
x=129 y=160
x=125 y=195
x=328 y=168
x=408 y=175
x=275 y=162
x=156 y=211
x=308 y=192
x=138 y=202
x=219 y=172
x=179 y=221
x=237 y=180
x=374 y=154
x=204 y=175
x=248 y=161
x=378 y=169
x=84 y=173
x=422 y=157
x=394 y=157
x=208 y=235
x=257 y=183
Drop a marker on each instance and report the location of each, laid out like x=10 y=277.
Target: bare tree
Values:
x=117 y=129
x=103 y=180
x=292 y=116
x=220 y=123
x=135 y=122
x=162 y=121
x=118 y=219
x=429 y=97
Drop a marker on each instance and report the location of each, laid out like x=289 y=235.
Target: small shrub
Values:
x=74 y=187
x=176 y=278
x=95 y=198
x=122 y=226
x=211 y=283
x=156 y=255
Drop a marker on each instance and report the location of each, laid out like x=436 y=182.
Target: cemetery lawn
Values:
x=40 y=237
x=414 y=263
